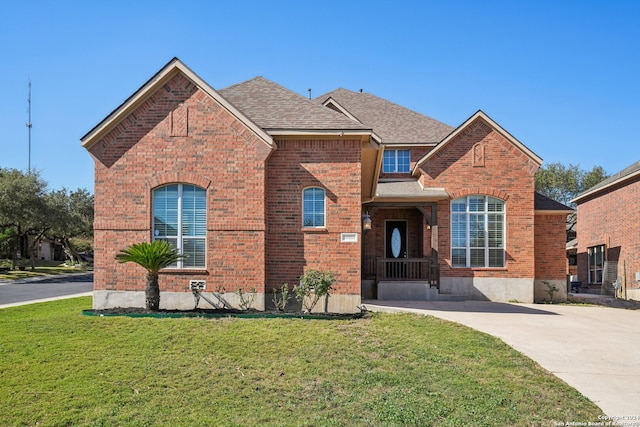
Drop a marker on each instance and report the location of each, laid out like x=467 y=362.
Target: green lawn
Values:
x=59 y=368
x=42 y=269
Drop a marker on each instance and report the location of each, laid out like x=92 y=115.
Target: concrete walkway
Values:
x=594 y=349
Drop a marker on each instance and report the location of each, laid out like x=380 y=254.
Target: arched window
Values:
x=180 y=217
x=477 y=232
x=313 y=212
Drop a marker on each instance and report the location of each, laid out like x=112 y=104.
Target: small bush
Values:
x=246 y=299
x=281 y=297
x=314 y=284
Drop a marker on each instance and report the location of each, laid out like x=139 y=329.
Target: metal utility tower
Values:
x=29 y=125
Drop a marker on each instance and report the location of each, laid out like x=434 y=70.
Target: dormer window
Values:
x=396 y=161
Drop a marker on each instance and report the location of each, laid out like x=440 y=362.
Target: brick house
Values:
x=256 y=183
x=608 y=230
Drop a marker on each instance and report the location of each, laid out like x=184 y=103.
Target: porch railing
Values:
x=401 y=269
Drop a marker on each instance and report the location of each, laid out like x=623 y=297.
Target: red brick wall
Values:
x=612 y=219
x=550 y=250
x=507 y=174
x=335 y=166
x=218 y=153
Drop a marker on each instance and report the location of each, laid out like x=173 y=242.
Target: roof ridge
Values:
x=277 y=107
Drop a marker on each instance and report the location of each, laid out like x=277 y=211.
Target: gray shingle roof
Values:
x=616 y=178
x=543 y=203
x=393 y=123
x=409 y=189
x=272 y=107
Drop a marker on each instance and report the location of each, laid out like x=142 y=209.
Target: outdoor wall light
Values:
x=366 y=222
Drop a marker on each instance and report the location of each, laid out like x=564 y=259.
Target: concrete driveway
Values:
x=594 y=349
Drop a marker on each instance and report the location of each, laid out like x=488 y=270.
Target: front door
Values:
x=396 y=248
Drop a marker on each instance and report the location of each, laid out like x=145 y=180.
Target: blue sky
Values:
x=561 y=76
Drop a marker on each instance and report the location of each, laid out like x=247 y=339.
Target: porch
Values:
x=405 y=279
x=400 y=252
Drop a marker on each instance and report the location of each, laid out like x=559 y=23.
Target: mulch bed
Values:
x=216 y=313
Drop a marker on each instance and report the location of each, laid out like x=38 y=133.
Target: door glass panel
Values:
x=396 y=243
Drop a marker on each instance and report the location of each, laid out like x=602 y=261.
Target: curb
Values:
x=36 y=301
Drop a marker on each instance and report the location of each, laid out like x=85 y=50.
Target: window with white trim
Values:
x=596 y=263
x=477 y=232
x=313 y=207
x=396 y=161
x=180 y=217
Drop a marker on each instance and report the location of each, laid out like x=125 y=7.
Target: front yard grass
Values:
x=59 y=368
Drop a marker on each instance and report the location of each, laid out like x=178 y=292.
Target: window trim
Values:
x=180 y=237
x=395 y=152
x=487 y=248
x=324 y=209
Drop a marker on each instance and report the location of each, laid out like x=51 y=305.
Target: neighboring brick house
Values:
x=256 y=184
x=608 y=230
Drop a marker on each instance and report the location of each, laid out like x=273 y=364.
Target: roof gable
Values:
x=150 y=87
x=482 y=116
x=393 y=123
x=276 y=109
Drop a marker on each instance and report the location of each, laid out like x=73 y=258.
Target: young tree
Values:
x=153 y=257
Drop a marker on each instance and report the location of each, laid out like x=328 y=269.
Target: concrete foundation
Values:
x=489 y=288
x=186 y=301
x=541 y=290
x=412 y=291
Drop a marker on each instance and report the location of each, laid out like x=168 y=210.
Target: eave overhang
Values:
x=553 y=212
x=602 y=189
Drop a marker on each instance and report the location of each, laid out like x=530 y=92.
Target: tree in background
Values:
x=22 y=207
x=563 y=183
x=28 y=213
x=71 y=217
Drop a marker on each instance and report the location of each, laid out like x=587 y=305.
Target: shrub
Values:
x=314 y=284
x=281 y=297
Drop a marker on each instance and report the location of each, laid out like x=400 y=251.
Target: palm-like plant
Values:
x=153 y=257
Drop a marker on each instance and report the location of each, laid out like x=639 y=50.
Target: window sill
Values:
x=481 y=268
x=201 y=271
x=314 y=230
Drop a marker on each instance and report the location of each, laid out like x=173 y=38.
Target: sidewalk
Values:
x=36 y=301
x=594 y=349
